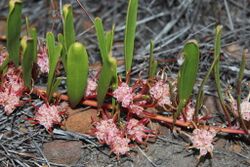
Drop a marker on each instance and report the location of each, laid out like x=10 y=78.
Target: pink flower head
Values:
x=124 y=94
x=202 y=140
x=48 y=116
x=106 y=131
x=91 y=87
x=43 y=59
x=189 y=111
x=136 y=130
x=160 y=92
x=3 y=56
x=9 y=101
x=245 y=110
x=120 y=145
x=13 y=81
x=136 y=109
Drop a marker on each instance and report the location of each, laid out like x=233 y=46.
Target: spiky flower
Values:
x=91 y=87
x=43 y=59
x=160 y=92
x=106 y=131
x=245 y=110
x=9 y=101
x=136 y=109
x=136 y=130
x=120 y=145
x=202 y=140
x=124 y=94
x=48 y=115
x=189 y=111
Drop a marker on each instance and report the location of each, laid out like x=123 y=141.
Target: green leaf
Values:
x=33 y=34
x=101 y=40
x=54 y=52
x=27 y=63
x=130 y=33
x=238 y=89
x=64 y=52
x=217 y=51
x=107 y=74
x=68 y=26
x=187 y=74
x=77 y=72
x=152 y=62
x=110 y=39
x=14 y=23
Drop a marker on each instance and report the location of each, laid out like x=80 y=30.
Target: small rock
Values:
x=63 y=152
x=81 y=122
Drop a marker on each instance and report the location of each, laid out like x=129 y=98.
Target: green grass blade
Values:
x=130 y=33
x=14 y=23
x=101 y=40
x=105 y=80
x=217 y=51
x=27 y=63
x=238 y=89
x=54 y=53
x=110 y=39
x=33 y=34
x=152 y=62
x=68 y=26
x=77 y=72
x=187 y=74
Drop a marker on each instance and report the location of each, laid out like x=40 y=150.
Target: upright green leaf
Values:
x=101 y=40
x=33 y=34
x=77 y=72
x=187 y=74
x=130 y=33
x=68 y=26
x=152 y=62
x=27 y=63
x=54 y=52
x=108 y=73
x=14 y=23
x=110 y=39
x=60 y=38
x=217 y=51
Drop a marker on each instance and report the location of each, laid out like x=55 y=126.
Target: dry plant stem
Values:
x=157 y=117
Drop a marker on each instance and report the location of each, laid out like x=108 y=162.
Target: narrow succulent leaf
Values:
x=4 y=66
x=54 y=87
x=54 y=53
x=27 y=25
x=33 y=34
x=187 y=74
x=64 y=52
x=68 y=26
x=101 y=40
x=14 y=30
x=110 y=39
x=105 y=80
x=238 y=87
x=27 y=63
x=77 y=72
x=130 y=33
x=217 y=51
x=152 y=62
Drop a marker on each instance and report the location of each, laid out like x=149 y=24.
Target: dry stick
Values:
x=157 y=117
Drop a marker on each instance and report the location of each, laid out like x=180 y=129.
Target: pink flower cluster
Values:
x=245 y=110
x=91 y=87
x=43 y=59
x=124 y=94
x=202 y=140
x=108 y=133
x=11 y=90
x=3 y=56
x=136 y=130
x=189 y=111
x=48 y=115
x=160 y=92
